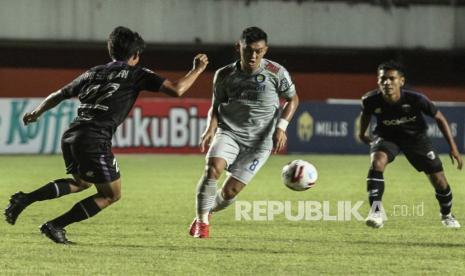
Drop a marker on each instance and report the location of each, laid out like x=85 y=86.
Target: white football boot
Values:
x=375 y=219
x=449 y=221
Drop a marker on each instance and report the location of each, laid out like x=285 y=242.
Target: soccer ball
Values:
x=299 y=175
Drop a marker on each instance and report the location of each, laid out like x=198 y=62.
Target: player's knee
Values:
x=81 y=184
x=230 y=192
x=113 y=198
x=378 y=165
x=213 y=171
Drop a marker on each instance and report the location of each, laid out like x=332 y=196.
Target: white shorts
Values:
x=242 y=163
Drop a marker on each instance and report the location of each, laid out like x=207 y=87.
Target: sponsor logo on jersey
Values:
x=284 y=84
x=248 y=96
x=406 y=107
x=431 y=155
x=400 y=121
x=260 y=78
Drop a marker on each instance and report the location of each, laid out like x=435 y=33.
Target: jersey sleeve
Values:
x=219 y=93
x=149 y=80
x=73 y=88
x=286 y=87
x=427 y=106
x=366 y=107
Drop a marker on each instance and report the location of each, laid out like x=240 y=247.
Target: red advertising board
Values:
x=162 y=126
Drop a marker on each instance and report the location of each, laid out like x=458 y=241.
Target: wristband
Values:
x=282 y=124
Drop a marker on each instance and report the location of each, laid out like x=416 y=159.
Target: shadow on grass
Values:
x=408 y=243
x=187 y=248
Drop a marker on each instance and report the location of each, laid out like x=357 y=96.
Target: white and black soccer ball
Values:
x=299 y=175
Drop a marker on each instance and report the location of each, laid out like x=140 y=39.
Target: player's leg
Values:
x=423 y=157
x=375 y=179
x=241 y=172
x=54 y=189
x=382 y=153
x=96 y=165
x=206 y=188
x=228 y=193
x=107 y=194
x=444 y=197
x=205 y=196
x=223 y=151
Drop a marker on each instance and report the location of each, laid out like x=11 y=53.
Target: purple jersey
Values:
x=402 y=119
x=107 y=94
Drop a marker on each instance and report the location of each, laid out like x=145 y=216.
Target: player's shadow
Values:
x=409 y=243
x=219 y=248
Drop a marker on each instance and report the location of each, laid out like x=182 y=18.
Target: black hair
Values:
x=392 y=65
x=124 y=43
x=253 y=34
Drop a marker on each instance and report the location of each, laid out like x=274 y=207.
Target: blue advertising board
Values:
x=321 y=127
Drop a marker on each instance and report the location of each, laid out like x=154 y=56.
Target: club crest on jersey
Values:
x=431 y=155
x=260 y=78
x=377 y=110
x=406 y=107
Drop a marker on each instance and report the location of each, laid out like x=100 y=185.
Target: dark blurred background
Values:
x=331 y=48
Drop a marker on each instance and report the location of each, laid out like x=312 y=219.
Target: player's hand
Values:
x=454 y=154
x=279 y=140
x=200 y=62
x=206 y=139
x=30 y=117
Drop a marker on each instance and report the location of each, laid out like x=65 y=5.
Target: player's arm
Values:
x=179 y=87
x=364 y=123
x=279 y=136
x=218 y=97
x=50 y=102
x=212 y=124
x=446 y=132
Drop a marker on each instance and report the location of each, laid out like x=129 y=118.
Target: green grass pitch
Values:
x=146 y=232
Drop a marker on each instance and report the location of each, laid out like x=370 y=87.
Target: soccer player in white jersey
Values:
x=245 y=124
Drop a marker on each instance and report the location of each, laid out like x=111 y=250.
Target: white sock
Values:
x=206 y=190
x=203 y=218
x=221 y=203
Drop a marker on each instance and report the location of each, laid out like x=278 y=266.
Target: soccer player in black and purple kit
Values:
x=400 y=126
x=107 y=94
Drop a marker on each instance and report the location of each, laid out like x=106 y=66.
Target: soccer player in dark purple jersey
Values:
x=107 y=93
x=401 y=127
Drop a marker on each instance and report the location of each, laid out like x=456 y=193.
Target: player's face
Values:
x=252 y=54
x=390 y=82
x=133 y=60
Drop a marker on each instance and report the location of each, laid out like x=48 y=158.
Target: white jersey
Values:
x=248 y=104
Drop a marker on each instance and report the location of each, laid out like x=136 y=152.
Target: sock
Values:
x=82 y=210
x=444 y=198
x=221 y=203
x=54 y=189
x=206 y=190
x=375 y=188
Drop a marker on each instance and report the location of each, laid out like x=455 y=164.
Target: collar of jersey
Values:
x=258 y=71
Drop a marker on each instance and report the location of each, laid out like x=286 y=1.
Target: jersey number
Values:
x=92 y=97
x=254 y=165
